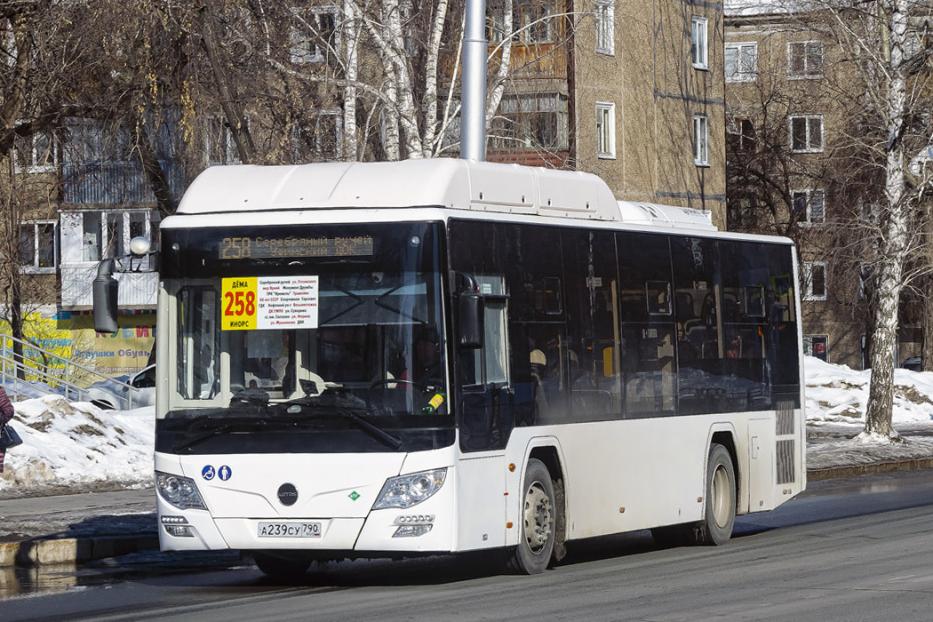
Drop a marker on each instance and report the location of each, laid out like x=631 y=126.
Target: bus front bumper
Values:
x=429 y=526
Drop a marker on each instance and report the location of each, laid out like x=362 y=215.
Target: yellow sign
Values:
x=238 y=297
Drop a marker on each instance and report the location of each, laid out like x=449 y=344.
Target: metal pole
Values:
x=473 y=83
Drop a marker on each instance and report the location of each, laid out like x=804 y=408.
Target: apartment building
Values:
x=629 y=90
x=791 y=131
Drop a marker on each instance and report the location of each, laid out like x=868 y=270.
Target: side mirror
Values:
x=105 y=290
x=471 y=320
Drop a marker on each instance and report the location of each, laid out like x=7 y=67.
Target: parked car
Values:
x=113 y=394
x=913 y=363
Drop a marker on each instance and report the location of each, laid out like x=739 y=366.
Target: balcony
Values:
x=114 y=183
x=138 y=290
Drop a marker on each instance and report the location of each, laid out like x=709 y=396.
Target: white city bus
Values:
x=391 y=359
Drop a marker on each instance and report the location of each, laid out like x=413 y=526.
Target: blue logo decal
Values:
x=207 y=472
x=224 y=472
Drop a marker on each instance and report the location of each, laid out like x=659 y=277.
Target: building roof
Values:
x=440 y=182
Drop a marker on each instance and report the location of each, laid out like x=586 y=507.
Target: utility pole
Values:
x=473 y=83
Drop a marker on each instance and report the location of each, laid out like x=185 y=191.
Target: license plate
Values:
x=289 y=530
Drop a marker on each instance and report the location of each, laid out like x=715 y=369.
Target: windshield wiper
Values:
x=252 y=423
x=347 y=413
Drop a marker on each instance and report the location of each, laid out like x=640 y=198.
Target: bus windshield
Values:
x=326 y=317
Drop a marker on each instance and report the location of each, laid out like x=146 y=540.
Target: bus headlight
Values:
x=179 y=491
x=405 y=491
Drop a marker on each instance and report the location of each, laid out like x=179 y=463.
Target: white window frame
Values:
x=739 y=75
x=808 y=284
x=31 y=166
x=808 y=344
x=525 y=20
x=607 y=111
x=124 y=230
x=300 y=40
x=808 y=212
x=701 y=140
x=806 y=74
x=699 y=54
x=35 y=268
x=809 y=148
x=734 y=128
x=605 y=27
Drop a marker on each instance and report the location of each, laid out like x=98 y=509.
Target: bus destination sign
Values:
x=258 y=247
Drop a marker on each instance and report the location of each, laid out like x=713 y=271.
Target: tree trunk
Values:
x=926 y=325
x=498 y=82
x=236 y=120
x=351 y=38
x=158 y=182
x=895 y=236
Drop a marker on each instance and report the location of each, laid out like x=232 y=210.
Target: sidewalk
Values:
x=76 y=528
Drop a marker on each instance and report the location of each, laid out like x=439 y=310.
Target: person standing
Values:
x=6 y=413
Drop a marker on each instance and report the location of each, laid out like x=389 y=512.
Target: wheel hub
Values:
x=537 y=517
x=721 y=500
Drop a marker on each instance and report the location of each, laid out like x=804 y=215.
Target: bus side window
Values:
x=593 y=337
x=648 y=341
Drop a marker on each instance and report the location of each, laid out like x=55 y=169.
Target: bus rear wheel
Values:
x=719 y=517
x=281 y=567
x=539 y=517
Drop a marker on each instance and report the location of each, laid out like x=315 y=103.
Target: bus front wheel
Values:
x=719 y=517
x=539 y=514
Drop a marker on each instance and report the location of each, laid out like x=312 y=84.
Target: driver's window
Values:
x=197 y=343
x=491 y=362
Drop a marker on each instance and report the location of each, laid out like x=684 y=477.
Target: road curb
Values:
x=872 y=468
x=46 y=551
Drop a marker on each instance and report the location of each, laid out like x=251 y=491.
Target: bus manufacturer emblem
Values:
x=288 y=494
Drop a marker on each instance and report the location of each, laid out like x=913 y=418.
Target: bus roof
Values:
x=440 y=182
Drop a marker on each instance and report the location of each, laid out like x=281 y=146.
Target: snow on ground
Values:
x=79 y=446
x=836 y=393
x=837 y=397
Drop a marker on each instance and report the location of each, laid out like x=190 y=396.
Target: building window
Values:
x=314 y=36
x=606 y=130
x=805 y=59
x=698 y=46
x=605 y=26
x=814 y=280
x=816 y=345
x=533 y=22
x=741 y=135
x=323 y=135
x=806 y=133
x=219 y=144
x=108 y=234
x=37 y=248
x=531 y=122
x=37 y=153
x=741 y=62
x=700 y=140
x=809 y=206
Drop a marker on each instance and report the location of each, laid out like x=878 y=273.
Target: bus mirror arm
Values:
x=105 y=291
x=470 y=312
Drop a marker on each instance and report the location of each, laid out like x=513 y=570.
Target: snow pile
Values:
x=78 y=446
x=838 y=394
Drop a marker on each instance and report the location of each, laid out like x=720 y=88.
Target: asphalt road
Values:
x=846 y=550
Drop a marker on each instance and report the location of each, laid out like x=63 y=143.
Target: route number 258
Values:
x=240 y=303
